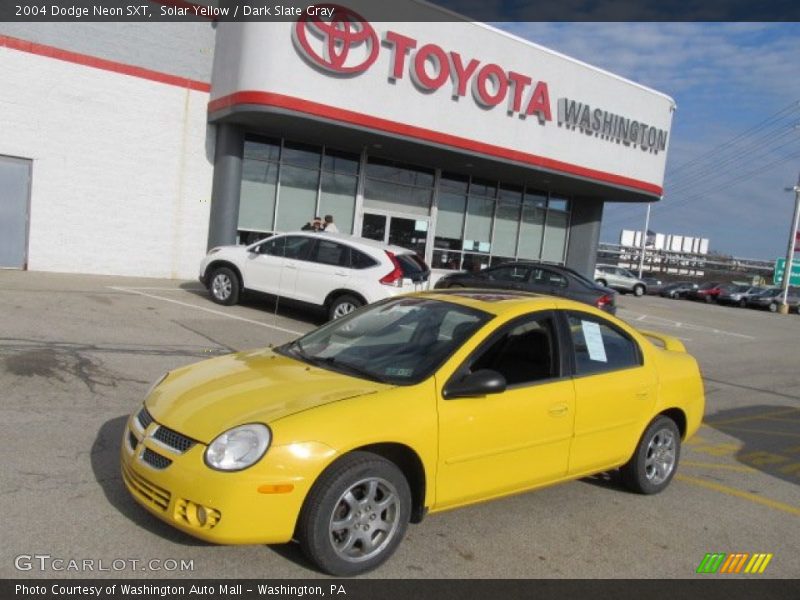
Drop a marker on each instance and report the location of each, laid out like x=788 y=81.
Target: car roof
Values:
x=498 y=302
x=352 y=239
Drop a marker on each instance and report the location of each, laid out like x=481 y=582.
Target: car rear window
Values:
x=413 y=267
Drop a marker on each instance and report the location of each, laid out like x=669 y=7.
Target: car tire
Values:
x=655 y=461
x=342 y=306
x=223 y=286
x=355 y=515
x=773 y=307
x=602 y=282
x=742 y=303
x=638 y=290
x=708 y=299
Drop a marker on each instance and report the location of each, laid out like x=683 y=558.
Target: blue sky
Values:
x=726 y=78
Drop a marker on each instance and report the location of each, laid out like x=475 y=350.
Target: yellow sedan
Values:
x=416 y=404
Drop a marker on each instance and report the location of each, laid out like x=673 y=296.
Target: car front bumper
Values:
x=252 y=506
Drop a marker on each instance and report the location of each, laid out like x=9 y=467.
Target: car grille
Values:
x=173 y=439
x=148 y=492
x=155 y=460
x=144 y=418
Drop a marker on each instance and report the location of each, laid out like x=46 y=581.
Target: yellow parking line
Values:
x=762 y=431
x=724 y=489
x=774 y=413
x=704 y=465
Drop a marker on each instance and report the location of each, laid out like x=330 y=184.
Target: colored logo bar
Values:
x=737 y=562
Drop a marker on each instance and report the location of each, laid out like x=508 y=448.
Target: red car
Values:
x=707 y=291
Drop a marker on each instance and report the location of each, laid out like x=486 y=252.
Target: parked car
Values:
x=619 y=279
x=706 y=292
x=654 y=285
x=678 y=289
x=410 y=406
x=772 y=298
x=737 y=295
x=332 y=271
x=538 y=278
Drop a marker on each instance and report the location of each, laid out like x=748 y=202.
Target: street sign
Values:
x=780 y=267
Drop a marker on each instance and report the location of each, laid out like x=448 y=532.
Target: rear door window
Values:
x=600 y=347
x=331 y=253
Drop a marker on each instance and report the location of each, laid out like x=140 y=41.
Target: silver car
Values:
x=619 y=279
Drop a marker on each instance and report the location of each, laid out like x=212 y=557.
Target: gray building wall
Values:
x=584 y=235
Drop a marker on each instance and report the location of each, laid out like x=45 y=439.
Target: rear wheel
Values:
x=355 y=515
x=342 y=306
x=224 y=286
x=656 y=458
x=638 y=290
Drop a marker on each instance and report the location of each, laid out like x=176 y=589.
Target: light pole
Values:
x=644 y=240
x=787 y=272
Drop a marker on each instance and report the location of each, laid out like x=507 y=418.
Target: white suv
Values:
x=619 y=279
x=333 y=271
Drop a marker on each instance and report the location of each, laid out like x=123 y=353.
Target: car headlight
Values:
x=156 y=383
x=238 y=448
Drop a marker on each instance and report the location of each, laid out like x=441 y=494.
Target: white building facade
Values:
x=453 y=138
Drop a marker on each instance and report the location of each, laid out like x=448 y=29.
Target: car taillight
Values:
x=604 y=301
x=395 y=276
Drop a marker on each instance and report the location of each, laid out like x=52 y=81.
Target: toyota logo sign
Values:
x=346 y=44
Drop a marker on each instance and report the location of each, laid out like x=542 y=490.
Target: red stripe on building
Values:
x=102 y=64
x=428 y=135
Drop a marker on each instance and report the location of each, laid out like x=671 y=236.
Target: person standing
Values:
x=330 y=225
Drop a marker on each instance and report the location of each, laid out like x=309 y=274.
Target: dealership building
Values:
x=130 y=149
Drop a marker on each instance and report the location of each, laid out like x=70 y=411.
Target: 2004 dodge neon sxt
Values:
x=415 y=404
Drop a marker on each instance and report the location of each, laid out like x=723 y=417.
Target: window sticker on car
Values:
x=594 y=341
x=395 y=372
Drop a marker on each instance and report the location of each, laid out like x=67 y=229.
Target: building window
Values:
x=259 y=187
x=481 y=223
x=286 y=185
x=555 y=231
x=396 y=187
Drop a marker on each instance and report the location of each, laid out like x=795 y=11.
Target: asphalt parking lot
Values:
x=77 y=354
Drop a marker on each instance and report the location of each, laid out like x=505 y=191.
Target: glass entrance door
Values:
x=400 y=231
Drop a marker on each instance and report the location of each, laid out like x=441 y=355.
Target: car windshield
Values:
x=399 y=341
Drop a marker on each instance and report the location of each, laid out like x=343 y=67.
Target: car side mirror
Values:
x=479 y=383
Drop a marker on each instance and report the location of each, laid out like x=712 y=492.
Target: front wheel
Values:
x=342 y=306
x=773 y=307
x=638 y=290
x=224 y=286
x=656 y=458
x=355 y=515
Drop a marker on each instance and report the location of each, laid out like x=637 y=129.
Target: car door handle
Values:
x=341 y=273
x=290 y=266
x=642 y=394
x=558 y=410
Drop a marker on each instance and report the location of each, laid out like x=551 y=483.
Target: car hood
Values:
x=205 y=399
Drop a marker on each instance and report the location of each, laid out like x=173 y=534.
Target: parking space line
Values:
x=687 y=326
x=704 y=465
x=772 y=413
x=204 y=309
x=762 y=431
x=754 y=498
